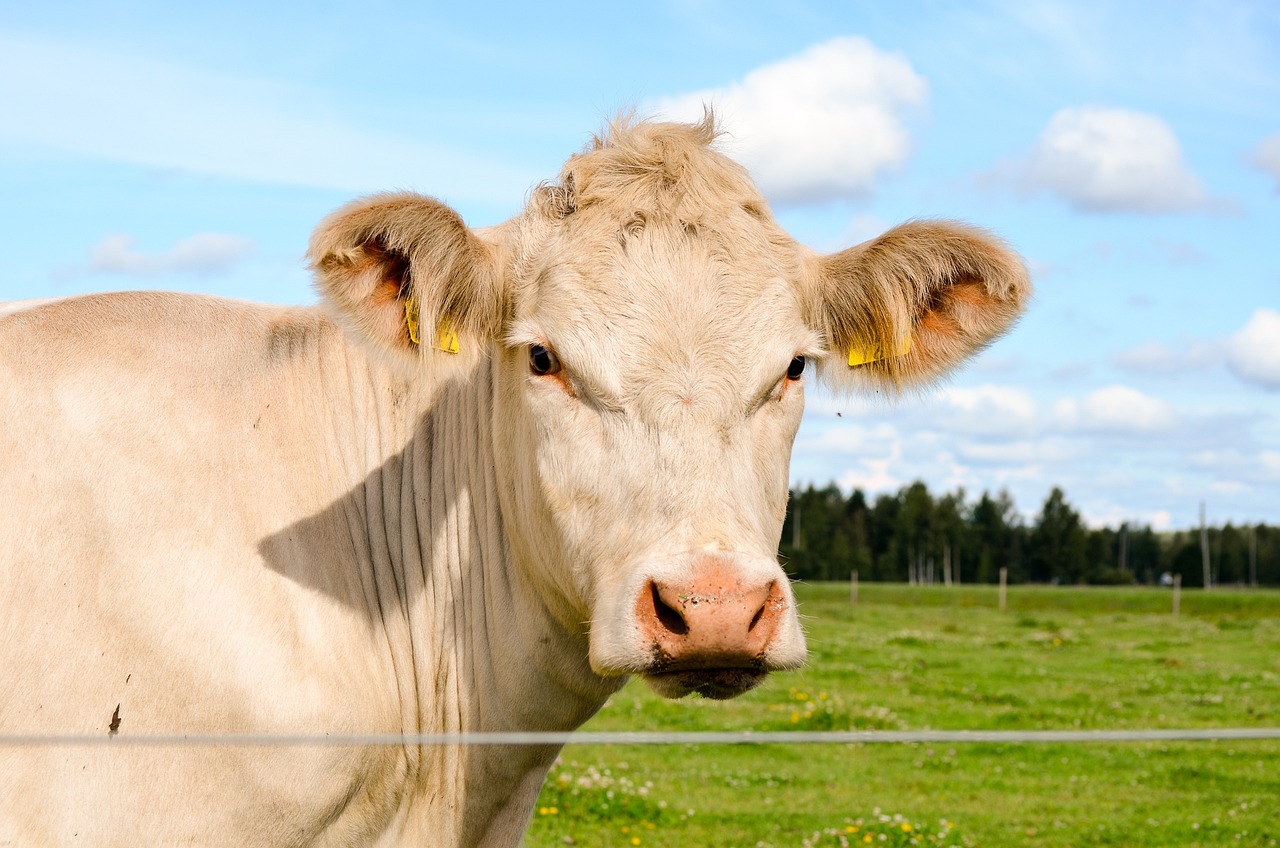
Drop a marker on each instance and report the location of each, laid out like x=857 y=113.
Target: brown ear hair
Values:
x=376 y=254
x=918 y=301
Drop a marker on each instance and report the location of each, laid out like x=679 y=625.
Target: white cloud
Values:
x=1021 y=453
x=1266 y=157
x=205 y=253
x=871 y=447
x=1113 y=516
x=1112 y=160
x=1041 y=270
x=125 y=108
x=987 y=410
x=1121 y=452
x=1160 y=358
x=817 y=126
x=821 y=401
x=851 y=438
x=994 y=363
x=863 y=227
x=1119 y=410
x=873 y=476
x=1253 y=353
x=1146 y=357
x=1235 y=467
x=1269 y=464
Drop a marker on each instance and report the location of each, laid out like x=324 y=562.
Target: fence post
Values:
x=1177 y=594
x=853 y=588
x=1004 y=586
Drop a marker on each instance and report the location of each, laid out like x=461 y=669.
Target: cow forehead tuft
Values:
x=662 y=169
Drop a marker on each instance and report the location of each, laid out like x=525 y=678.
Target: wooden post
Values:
x=1004 y=586
x=1177 y=594
x=853 y=588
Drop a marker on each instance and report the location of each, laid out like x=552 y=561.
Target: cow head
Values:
x=651 y=330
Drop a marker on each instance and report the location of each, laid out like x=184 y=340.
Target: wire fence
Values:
x=742 y=737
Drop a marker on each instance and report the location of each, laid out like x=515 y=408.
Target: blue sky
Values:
x=1130 y=152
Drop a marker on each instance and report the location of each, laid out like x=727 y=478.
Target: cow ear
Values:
x=408 y=277
x=904 y=309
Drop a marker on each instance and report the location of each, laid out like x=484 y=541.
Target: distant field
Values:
x=934 y=658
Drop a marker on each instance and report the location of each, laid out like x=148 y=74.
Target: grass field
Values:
x=936 y=658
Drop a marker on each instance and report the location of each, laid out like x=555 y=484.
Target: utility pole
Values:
x=1253 y=555
x=1124 y=546
x=1204 y=550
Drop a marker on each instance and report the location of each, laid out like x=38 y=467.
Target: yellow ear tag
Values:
x=411 y=319
x=446 y=337
x=863 y=356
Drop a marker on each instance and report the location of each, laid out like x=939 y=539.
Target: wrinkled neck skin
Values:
x=475 y=646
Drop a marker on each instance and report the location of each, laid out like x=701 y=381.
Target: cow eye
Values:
x=795 y=369
x=542 y=361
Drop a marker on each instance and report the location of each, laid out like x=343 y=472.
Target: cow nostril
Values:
x=668 y=617
x=764 y=608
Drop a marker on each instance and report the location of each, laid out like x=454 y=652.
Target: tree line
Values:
x=913 y=536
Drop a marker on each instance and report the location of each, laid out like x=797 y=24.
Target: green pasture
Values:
x=913 y=658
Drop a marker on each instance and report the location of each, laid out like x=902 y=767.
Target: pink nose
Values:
x=714 y=619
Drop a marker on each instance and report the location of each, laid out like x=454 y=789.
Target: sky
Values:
x=1130 y=152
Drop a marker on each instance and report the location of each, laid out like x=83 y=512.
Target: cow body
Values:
x=249 y=557
x=232 y=518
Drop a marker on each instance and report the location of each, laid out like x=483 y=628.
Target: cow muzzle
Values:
x=712 y=632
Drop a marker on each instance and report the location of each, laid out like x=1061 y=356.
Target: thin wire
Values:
x=745 y=737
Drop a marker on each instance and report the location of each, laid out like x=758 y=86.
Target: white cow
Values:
x=220 y=517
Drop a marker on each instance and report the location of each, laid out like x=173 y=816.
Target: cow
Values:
x=497 y=472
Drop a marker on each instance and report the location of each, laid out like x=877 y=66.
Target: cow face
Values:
x=652 y=331
x=651 y=383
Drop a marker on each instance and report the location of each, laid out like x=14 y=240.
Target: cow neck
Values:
x=472 y=647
